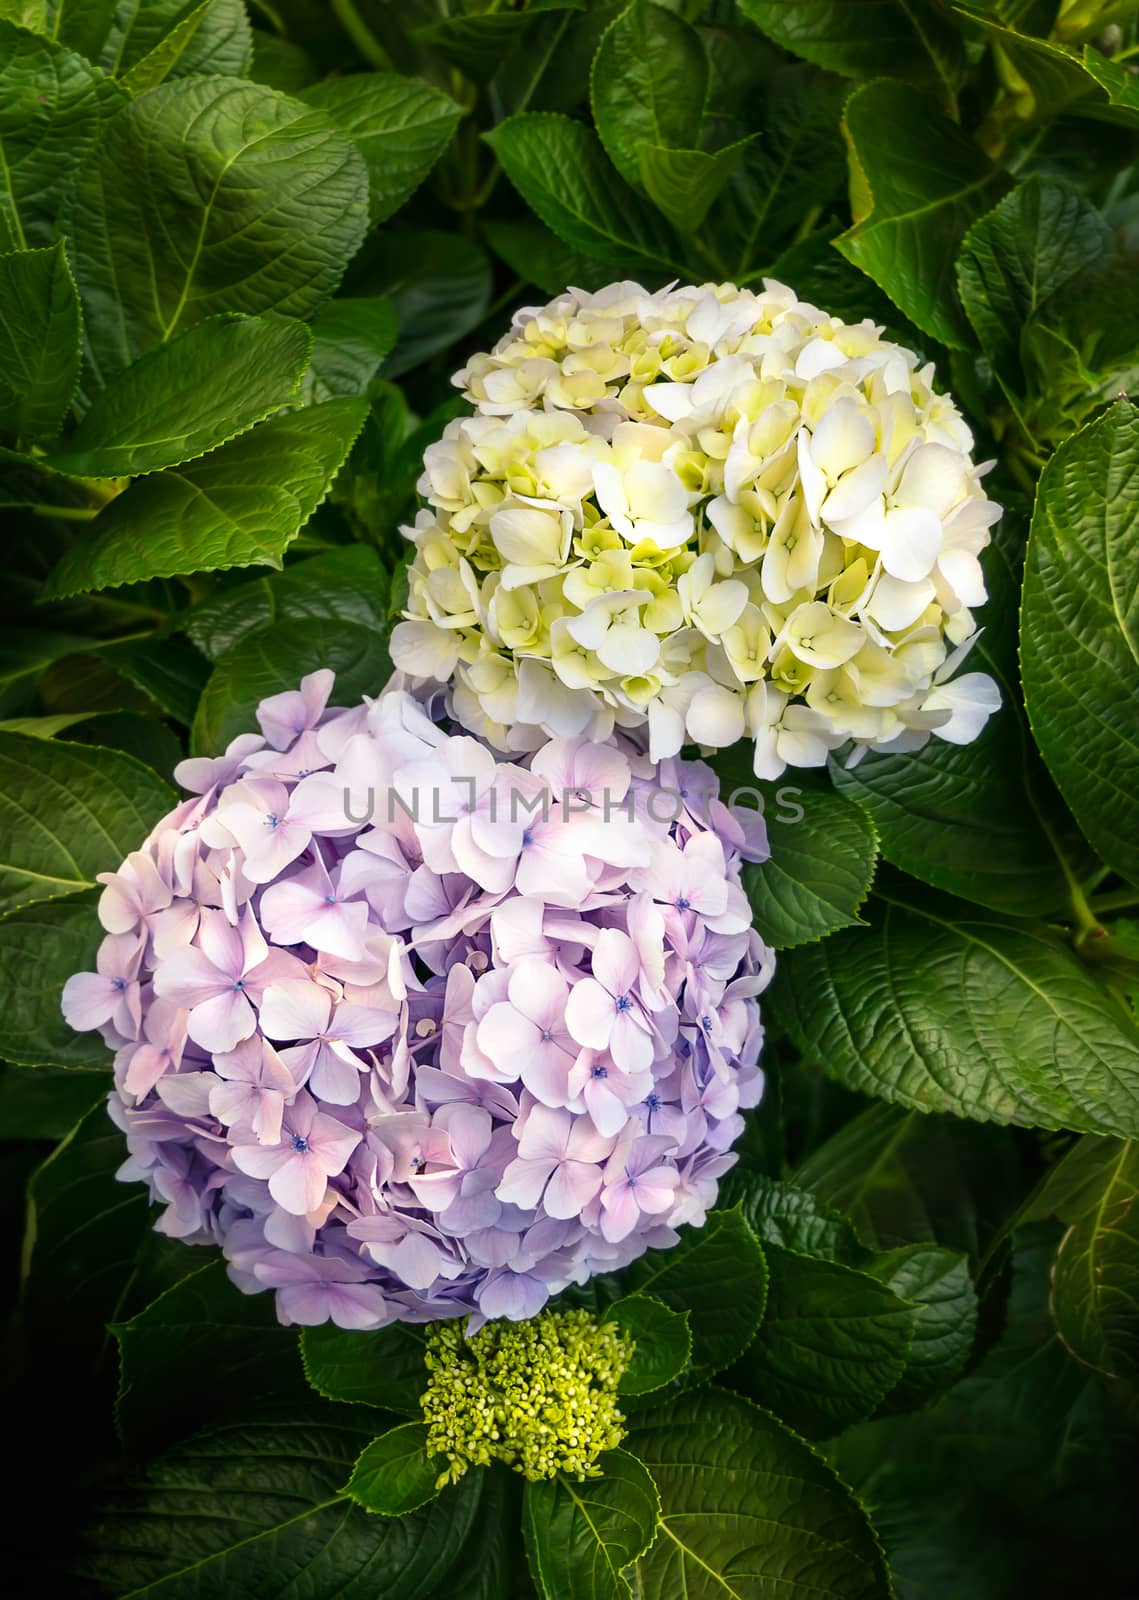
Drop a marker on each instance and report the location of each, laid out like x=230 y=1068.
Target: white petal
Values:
x=895 y=605
x=911 y=543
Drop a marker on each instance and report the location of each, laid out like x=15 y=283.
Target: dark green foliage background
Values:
x=242 y=249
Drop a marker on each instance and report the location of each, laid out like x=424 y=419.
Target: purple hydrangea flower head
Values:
x=415 y=1031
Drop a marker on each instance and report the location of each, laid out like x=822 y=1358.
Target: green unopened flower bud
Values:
x=539 y=1395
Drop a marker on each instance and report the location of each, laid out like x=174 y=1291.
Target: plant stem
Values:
x=1116 y=900
x=65 y=513
x=361 y=35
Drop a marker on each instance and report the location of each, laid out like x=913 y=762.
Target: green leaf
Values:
x=559 y=169
x=684 y=183
x=194 y=1353
x=187 y=397
x=400 y=126
x=394 y=1474
x=438 y=283
x=241 y=200
x=917 y=182
x=350 y=340
x=345 y=585
x=823 y=851
x=648 y=86
x=273 y=659
x=67 y=813
x=83 y=1230
x=46 y=1102
x=52 y=107
x=580 y=1535
x=1047 y=79
x=384 y=1369
x=240 y=506
x=135 y=42
x=252 y=1508
x=41 y=945
x=538 y=256
x=793 y=1218
x=937 y=1286
x=748 y=1511
x=834 y=1342
x=1095 y=1278
x=39 y=341
x=662 y=1342
x=718 y=1275
x=946 y=1008
x=170 y=670
x=1080 y=633
x=160 y=61
x=905 y=1176
x=864 y=38
x=1022 y=265
x=476 y=44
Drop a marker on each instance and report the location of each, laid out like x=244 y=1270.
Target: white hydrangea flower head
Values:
x=705 y=513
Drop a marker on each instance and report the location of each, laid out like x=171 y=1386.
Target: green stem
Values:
x=1116 y=900
x=65 y=513
x=361 y=35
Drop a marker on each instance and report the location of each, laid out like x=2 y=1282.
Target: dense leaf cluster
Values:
x=241 y=250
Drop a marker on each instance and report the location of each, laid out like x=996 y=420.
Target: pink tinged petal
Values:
x=571 y=1188
x=615 y=961
x=608 y=1113
x=221 y=943
x=545 y=1070
x=415 y=1260
x=361 y=1026
x=189 y=978
x=294 y=1009
x=222 y=1022
x=335 y=1074
x=590 y=1014
x=523 y=1182
x=332 y=1142
x=147 y=1064
x=261 y=1162
x=89 y=1000
x=506 y=1036
x=620 y=1212
x=299 y=1183
x=357 y=1305
x=656 y=1190
x=629 y=1044
x=469 y=1129
x=545 y=1135
x=268 y=1114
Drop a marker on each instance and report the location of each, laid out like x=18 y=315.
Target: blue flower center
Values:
x=119 y=984
x=682 y=904
x=300 y=1143
x=527 y=837
x=623 y=1002
x=600 y=1072
x=547 y=1035
x=653 y=1101
x=239 y=983
x=272 y=822
x=706 y=1024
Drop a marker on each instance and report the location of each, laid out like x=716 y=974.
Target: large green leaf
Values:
x=274 y=659
x=864 y=38
x=52 y=105
x=344 y=585
x=648 y=86
x=41 y=945
x=187 y=397
x=793 y=1218
x=683 y=184
x=748 y=1511
x=400 y=126
x=68 y=812
x=1095 y=1278
x=384 y=1369
x=981 y=820
x=718 y=1275
x=662 y=1342
x=254 y=1508
x=937 y=1286
x=907 y=1177
x=350 y=340
x=240 y=506
x=581 y=1534
x=438 y=283
x=1080 y=632
x=917 y=182
x=942 y=1007
x=823 y=852
x=240 y=200
x=560 y=170
x=45 y=1102
x=39 y=341
x=1027 y=263
x=167 y=668
x=395 y=1474
x=177 y=38
x=196 y=1352
x=833 y=1344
